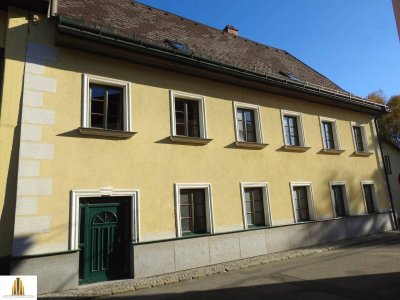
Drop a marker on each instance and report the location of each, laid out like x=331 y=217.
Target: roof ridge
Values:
x=245 y=39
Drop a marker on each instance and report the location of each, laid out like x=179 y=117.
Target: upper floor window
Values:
x=106 y=105
x=188 y=116
x=388 y=167
x=248 y=123
x=330 y=136
x=359 y=138
x=293 y=129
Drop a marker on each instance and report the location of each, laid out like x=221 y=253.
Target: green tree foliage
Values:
x=389 y=124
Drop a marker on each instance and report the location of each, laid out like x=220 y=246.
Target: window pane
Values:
x=180 y=129
x=358 y=138
x=339 y=200
x=248 y=206
x=251 y=137
x=185 y=223
x=369 y=198
x=185 y=211
x=249 y=219
x=97 y=121
x=97 y=92
x=179 y=105
x=301 y=203
x=185 y=198
x=258 y=206
x=328 y=135
x=259 y=219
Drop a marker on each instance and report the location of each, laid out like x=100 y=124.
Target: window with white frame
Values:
x=338 y=190
x=188 y=115
x=193 y=209
x=330 y=136
x=371 y=203
x=359 y=137
x=302 y=198
x=293 y=131
x=248 y=123
x=106 y=104
x=255 y=201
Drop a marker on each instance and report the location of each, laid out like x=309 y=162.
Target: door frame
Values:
x=76 y=195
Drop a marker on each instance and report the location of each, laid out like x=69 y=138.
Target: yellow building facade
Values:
x=251 y=169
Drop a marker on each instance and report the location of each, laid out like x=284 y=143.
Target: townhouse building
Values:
x=136 y=142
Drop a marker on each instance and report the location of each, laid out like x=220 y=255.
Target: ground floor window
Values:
x=302 y=202
x=193 y=209
x=255 y=201
x=369 y=198
x=339 y=198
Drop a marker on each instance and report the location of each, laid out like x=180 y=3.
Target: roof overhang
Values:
x=73 y=33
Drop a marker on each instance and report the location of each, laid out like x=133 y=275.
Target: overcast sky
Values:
x=352 y=42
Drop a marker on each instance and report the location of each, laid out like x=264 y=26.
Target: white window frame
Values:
x=78 y=194
x=300 y=128
x=208 y=201
x=266 y=203
x=126 y=87
x=310 y=198
x=202 y=111
x=335 y=133
x=345 y=196
x=257 y=120
x=363 y=136
x=374 y=196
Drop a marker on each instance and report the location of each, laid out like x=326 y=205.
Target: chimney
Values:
x=232 y=30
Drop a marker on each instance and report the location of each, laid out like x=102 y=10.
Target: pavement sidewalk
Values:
x=131 y=285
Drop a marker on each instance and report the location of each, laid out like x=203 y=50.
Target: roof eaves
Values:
x=104 y=34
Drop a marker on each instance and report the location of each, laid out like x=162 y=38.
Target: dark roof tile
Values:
x=143 y=22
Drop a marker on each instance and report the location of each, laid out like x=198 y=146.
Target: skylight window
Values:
x=178 y=46
x=289 y=75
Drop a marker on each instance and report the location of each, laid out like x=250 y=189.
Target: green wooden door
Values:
x=103 y=241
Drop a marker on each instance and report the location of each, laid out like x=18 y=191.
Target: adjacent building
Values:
x=136 y=142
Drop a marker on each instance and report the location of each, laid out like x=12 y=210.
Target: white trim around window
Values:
x=266 y=203
x=76 y=195
x=126 y=87
x=208 y=202
x=335 y=133
x=375 y=199
x=345 y=197
x=202 y=111
x=257 y=121
x=300 y=129
x=363 y=136
x=310 y=198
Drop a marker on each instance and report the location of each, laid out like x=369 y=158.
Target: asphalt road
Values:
x=366 y=271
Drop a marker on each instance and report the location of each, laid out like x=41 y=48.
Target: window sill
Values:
x=362 y=153
x=106 y=132
x=250 y=145
x=189 y=140
x=333 y=151
x=296 y=148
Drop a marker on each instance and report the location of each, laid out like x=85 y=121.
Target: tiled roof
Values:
x=156 y=26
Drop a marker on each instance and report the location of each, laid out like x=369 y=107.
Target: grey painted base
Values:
x=54 y=273
x=177 y=255
x=61 y=272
